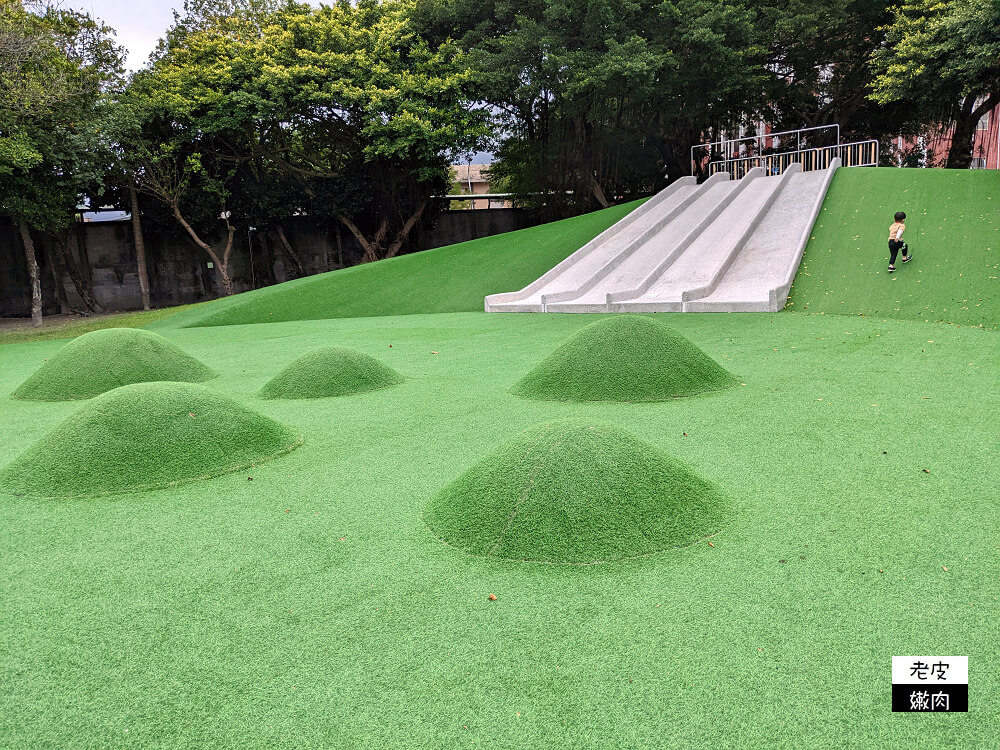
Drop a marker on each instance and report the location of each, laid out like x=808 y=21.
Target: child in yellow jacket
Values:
x=896 y=241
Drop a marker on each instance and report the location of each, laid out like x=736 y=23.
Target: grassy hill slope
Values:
x=952 y=228
x=454 y=278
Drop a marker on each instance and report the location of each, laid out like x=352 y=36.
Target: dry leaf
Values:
x=493 y=597
x=710 y=544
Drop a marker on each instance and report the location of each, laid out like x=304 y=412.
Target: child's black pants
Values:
x=894 y=247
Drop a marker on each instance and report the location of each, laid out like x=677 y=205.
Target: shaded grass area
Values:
x=952 y=228
x=311 y=606
x=102 y=360
x=330 y=371
x=447 y=279
x=61 y=327
x=571 y=491
x=624 y=358
x=146 y=436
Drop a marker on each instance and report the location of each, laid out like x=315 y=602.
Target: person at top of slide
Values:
x=896 y=241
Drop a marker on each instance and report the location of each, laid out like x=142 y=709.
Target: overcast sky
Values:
x=139 y=23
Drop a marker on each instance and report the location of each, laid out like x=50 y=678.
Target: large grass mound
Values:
x=330 y=371
x=102 y=360
x=952 y=228
x=572 y=492
x=624 y=358
x=146 y=436
x=455 y=278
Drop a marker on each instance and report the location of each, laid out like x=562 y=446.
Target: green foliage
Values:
x=570 y=491
x=819 y=62
x=600 y=99
x=943 y=58
x=146 y=436
x=55 y=66
x=263 y=110
x=330 y=371
x=624 y=358
x=102 y=360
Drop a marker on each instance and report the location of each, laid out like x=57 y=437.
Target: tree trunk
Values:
x=36 y=282
x=379 y=248
x=289 y=250
x=960 y=153
x=140 y=248
x=56 y=271
x=963 y=140
x=222 y=266
x=73 y=268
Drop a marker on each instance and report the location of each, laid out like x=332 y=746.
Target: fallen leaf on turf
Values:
x=926 y=471
x=710 y=544
x=493 y=597
x=433 y=352
x=944 y=569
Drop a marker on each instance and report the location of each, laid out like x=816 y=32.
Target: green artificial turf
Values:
x=105 y=359
x=58 y=327
x=310 y=606
x=952 y=229
x=146 y=436
x=624 y=358
x=571 y=491
x=447 y=279
x=330 y=371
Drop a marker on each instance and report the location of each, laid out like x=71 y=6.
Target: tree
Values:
x=819 y=63
x=943 y=59
x=54 y=68
x=599 y=98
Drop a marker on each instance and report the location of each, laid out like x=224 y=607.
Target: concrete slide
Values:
x=722 y=246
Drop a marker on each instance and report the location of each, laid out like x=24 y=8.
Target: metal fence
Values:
x=859 y=154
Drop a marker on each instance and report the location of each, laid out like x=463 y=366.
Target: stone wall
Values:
x=178 y=269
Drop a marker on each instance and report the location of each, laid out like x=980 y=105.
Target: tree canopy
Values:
x=251 y=112
x=943 y=59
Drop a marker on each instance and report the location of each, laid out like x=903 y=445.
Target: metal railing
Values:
x=859 y=154
x=785 y=141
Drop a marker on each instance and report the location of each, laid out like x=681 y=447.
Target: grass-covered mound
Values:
x=569 y=491
x=146 y=436
x=102 y=360
x=330 y=371
x=952 y=228
x=624 y=358
x=455 y=278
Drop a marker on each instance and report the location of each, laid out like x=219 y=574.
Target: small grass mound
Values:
x=572 y=492
x=146 y=436
x=624 y=358
x=100 y=361
x=330 y=371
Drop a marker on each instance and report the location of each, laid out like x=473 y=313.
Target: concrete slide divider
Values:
x=638 y=241
x=683 y=245
x=707 y=289
x=778 y=296
x=651 y=204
